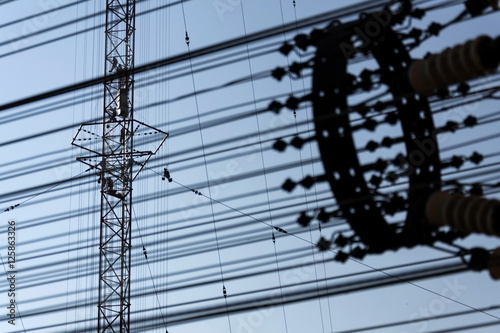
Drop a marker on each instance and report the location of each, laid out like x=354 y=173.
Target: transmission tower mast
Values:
x=117 y=163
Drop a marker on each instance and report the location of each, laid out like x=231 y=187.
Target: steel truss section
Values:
x=116 y=170
x=117 y=163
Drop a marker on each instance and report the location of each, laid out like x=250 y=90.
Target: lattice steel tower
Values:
x=117 y=163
